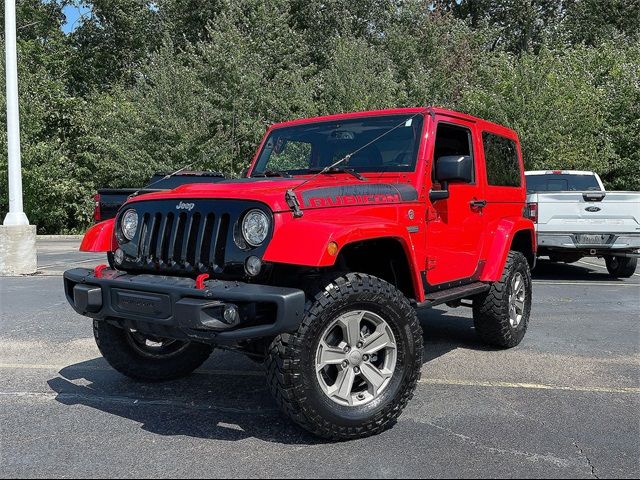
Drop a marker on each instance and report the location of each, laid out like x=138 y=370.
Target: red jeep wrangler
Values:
x=318 y=260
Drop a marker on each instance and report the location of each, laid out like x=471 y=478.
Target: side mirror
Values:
x=454 y=168
x=451 y=168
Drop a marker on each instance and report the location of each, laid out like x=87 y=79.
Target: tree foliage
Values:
x=143 y=86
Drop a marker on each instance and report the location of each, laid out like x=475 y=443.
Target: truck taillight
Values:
x=96 y=208
x=531 y=212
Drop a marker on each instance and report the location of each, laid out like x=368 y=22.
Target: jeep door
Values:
x=455 y=224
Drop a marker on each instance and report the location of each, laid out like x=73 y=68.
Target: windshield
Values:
x=562 y=183
x=310 y=147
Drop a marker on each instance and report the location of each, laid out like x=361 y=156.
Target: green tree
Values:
x=518 y=26
x=573 y=110
x=56 y=191
x=205 y=107
x=113 y=42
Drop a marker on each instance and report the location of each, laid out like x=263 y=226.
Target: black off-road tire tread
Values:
x=626 y=267
x=283 y=363
x=491 y=311
x=120 y=355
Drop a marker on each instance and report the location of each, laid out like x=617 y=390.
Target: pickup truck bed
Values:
x=109 y=200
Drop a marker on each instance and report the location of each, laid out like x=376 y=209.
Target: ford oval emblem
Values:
x=593 y=209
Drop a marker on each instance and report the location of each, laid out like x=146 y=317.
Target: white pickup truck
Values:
x=575 y=217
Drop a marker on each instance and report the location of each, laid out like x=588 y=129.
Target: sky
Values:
x=73 y=14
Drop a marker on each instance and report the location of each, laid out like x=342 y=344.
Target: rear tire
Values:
x=148 y=359
x=329 y=386
x=501 y=315
x=621 y=267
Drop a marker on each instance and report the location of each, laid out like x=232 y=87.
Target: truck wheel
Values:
x=352 y=366
x=146 y=358
x=501 y=315
x=621 y=267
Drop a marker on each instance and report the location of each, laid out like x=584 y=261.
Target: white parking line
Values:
x=600 y=266
x=529 y=386
x=131 y=401
x=587 y=284
x=424 y=381
x=39 y=366
x=63 y=263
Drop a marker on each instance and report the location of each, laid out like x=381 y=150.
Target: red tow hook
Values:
x=200 y=280
x=97 y=272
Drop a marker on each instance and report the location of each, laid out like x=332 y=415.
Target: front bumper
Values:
x=172 y=307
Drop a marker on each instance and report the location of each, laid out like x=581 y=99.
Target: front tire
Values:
x=621 y=267
x=501 y=315
x=354 y=363
x=145 y=358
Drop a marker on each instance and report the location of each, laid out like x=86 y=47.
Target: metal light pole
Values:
x=17 y=237
x=16 y=215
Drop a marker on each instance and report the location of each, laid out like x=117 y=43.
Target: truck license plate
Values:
x=593 y=239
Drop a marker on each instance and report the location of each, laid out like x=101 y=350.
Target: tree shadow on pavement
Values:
x=226 y=399
x=547 y=270
x=447 y=330
x=210 y=404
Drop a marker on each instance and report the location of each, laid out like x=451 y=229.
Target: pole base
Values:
x=16 y=218
x=18 y=250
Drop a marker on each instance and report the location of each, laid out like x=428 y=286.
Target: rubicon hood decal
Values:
x=359 y=195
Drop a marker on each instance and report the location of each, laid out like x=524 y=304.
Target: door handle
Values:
x=478 y=203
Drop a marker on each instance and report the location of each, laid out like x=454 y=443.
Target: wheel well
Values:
x=384 y=258
x=523 y=243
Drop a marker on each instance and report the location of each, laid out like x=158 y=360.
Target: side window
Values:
x=451 y=140
x=501 y=157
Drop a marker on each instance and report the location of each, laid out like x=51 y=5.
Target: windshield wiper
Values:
x=350 y=171
x=272 y=173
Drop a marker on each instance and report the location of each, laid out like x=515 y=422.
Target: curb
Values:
x=59 y=237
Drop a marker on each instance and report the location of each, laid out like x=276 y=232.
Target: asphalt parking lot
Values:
x=565 y=403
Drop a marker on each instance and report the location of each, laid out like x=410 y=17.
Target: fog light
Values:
x=118 y=257
x=231 y=315
x=253 y=265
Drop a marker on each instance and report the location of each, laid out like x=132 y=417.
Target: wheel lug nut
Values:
x=356 y=369
x=359 y=345
x=345 y=364
x=346 y=349
x=365 y=358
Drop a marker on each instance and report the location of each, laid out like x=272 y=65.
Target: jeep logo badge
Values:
x=593 y=209
x=185 y=206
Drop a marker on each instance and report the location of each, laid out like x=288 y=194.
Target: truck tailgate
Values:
x=617 y=212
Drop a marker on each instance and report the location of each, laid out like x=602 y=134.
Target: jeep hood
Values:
x=325 y=191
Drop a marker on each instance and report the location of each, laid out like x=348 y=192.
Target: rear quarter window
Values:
x=501 y=159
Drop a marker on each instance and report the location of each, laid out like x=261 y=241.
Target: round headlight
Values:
x=255 y=227
x=129 y=224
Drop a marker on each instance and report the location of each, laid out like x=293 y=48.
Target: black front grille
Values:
x=187 y=242
x=190 y=241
